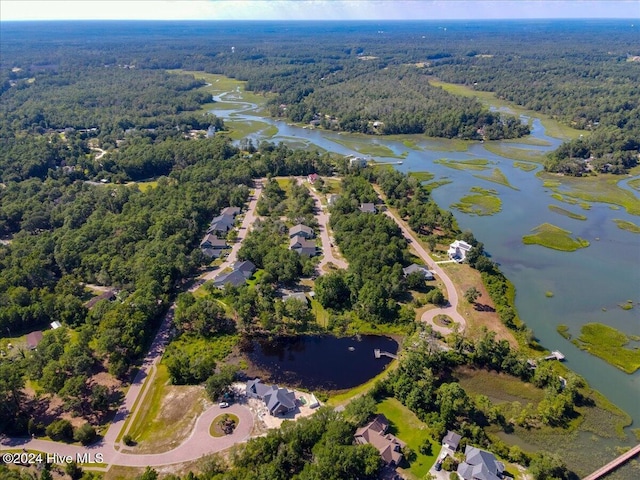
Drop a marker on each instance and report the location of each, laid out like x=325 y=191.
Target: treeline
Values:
x=358 y=77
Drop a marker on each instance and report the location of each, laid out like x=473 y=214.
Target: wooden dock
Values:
x=555 y=355
x=611 y=466
x=381 y=353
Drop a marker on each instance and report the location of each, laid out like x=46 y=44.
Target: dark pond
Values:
x=321 y=362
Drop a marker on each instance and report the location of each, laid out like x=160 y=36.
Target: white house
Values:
x=458 y=250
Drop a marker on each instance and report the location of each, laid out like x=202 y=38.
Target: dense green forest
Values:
x=361 y=78
x=108 y=178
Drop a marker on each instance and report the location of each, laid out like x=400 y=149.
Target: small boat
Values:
x=351 y=349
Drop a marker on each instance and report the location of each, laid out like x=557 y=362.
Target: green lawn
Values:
x=407 y=427
x=551 y=236
x=148 y=406
x=320 y=314
x=610 y=345
x=497 y=177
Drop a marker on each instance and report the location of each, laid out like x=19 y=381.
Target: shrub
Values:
x=60 y=430
x=86 y=434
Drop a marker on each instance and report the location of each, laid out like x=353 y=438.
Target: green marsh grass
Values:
x=551 y=236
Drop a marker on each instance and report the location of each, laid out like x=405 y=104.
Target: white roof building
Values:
x=458 y=250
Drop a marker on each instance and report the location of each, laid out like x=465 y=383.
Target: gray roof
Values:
x=295 y=296
x=255 y=388
x=452 y=439
x=212 y=252
x=414 y=267
x=33 y=339
x=306 y=251
x=300 y=241
x=368 y=208
x=279 y=400
x=246 y=267
x=235 y=278
x=480 y=465
x=301 y=229
x=233 y=211
x=211 y=241
x=221 y=223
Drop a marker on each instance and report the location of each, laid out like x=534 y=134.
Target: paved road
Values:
x=199 y=443
x=452 y=294
x=248 y=220
x=322 y=215
x=108 y=445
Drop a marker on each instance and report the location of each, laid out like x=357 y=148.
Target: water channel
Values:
x=588 y=284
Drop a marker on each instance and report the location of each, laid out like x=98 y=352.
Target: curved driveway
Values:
x=452 y=294
x=199 y=443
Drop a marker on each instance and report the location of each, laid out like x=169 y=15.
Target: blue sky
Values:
x=314 y=9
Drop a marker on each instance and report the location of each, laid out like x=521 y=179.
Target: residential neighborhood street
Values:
x=248 y=220
x=322 y=215
x=200 y=442
x=452 y=294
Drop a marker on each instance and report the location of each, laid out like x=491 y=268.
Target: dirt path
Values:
x=322 y=215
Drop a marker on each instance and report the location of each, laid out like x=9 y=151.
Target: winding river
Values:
x=588 y=285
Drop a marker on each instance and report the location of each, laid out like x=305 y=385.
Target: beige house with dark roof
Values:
x=375 y=433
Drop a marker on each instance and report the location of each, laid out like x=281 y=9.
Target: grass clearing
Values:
x=627 y=225
x=422 y=176
x=479 y=204
x=566 y=213
x=321 y=315
x=527 y=167
x=220 y=346
x=497 y=177
x=515 y=153
x=465 y=277
x=473 y=164
x=552 y=236
x=609 y=344
x=404 y=424
x=498 y=387
x=149 y=406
